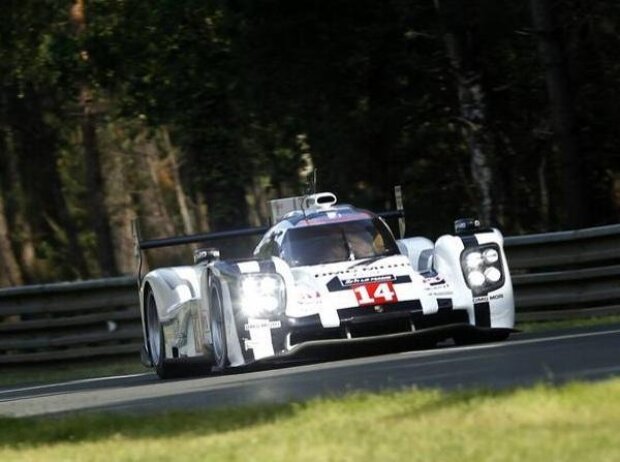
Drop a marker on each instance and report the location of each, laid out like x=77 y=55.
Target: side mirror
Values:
x=206 y=255
x=466 y=225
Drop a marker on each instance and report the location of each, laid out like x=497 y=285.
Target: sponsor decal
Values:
x=483 y=299
x=364 y=280
x=254 y=344
x=375 y=293
x=262 y=324
x=441 y=293
x=344 y=283
x=496 y=297
x=435 y=280
x=260 y=340
x=309 y=297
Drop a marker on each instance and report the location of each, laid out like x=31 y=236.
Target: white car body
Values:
x=233 y=313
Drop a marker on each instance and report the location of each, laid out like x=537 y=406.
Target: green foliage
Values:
x=246 y=89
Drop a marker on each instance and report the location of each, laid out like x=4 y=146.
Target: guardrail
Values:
x=564 y=275
x=69 y=320
x=556 y=276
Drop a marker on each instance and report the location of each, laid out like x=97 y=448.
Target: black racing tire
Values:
x=217 y=324
x=156 y=341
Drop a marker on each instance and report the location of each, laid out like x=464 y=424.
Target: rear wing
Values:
x=141 y=245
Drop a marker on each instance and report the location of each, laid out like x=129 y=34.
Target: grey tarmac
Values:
x=553 y=357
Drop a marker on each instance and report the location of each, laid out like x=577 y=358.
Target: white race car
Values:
x=325 y=274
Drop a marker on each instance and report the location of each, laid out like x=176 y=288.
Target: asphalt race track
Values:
x=556 y=357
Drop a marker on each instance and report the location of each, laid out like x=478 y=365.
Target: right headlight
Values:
x=491 y=256
x=473 y=260
x=475 y=279
x=482 y=268
x=261 y=294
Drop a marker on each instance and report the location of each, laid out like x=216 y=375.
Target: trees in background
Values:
x=191 y=115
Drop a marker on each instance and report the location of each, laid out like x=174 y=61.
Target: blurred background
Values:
x=190 y=115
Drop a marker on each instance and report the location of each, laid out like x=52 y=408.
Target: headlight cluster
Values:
x=261 y=294
x=482 y=268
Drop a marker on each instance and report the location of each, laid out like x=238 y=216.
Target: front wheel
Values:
x=156 y=341
x=218 y=331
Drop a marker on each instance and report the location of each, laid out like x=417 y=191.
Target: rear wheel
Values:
x=218 y=331
x=156 y=341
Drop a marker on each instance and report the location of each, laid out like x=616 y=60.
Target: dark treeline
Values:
x=192 y=114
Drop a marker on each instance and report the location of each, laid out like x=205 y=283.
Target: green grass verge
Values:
x=544 y=423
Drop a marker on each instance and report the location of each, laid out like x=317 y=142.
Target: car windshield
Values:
x=336 y=242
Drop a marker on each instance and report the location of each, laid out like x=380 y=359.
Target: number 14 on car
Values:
x=375 y=293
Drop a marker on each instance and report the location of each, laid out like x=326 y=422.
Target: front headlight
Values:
x=473 y=260
x=491 y=256
x=261 y=294
x=476 y=279
x=492 y=274
x=482 y=268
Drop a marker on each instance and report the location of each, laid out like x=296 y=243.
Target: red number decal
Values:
x=375 y=293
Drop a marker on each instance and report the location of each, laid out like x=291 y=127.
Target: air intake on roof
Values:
x=320 y=200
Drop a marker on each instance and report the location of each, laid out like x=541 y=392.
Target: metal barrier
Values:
x=564 y=275
x=69 y=320
x=555 y=275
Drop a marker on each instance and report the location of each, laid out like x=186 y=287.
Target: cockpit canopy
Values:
x=330 y=242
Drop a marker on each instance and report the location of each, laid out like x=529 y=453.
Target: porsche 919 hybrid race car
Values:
x=325 y=274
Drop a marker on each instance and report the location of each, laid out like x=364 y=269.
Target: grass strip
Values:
x=579 y=421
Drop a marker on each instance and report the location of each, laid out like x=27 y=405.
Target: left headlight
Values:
x=261 y=294
x=482 y=268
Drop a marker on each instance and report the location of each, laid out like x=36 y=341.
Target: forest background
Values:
x=191 y=114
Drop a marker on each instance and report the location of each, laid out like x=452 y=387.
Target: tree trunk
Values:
x=16 y=212
x=155 y=220
x=153 y=166
x=94 y=184
x=94 y=179
x=544 y=194
x=11 y=273
x=202 y=212
x=562 y=112
x=35 y=202
x=473 y=113
x=189 y=226
x=120 y=174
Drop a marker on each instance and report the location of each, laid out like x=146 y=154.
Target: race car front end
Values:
x=335 y=274
x=292 y=309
